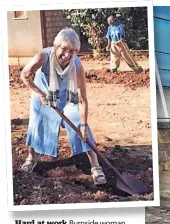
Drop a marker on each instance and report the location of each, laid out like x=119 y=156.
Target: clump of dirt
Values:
x=106 y=56
x=14 y=76
x=128 y=79
x=100 y=57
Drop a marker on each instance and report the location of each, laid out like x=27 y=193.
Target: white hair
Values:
x=68 y=35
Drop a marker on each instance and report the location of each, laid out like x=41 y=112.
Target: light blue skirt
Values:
x=44 y=124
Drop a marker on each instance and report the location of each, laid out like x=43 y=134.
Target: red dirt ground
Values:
x=68 y=179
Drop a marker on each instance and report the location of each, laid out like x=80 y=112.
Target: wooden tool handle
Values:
x=88 y=141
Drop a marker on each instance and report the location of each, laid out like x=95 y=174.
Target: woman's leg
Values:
x=43 y=128
x=97 y=172
x=30 y=161
x=31 y=152
x=72 y=113
x=92 y=158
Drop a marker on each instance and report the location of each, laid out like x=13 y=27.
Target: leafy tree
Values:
x=93 y=24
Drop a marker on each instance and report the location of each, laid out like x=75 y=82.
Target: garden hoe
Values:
x=126 y=49
x=124 y=181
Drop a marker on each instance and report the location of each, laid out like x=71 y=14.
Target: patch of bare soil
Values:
x=106 y=56
x=68 y=179
x=128 y=79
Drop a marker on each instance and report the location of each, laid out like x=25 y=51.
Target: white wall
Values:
x=24 y=35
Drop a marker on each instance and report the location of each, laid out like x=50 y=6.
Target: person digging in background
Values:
x=118 y=47
x=59 y=81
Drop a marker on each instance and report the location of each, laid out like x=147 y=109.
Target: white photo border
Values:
x=3 y=27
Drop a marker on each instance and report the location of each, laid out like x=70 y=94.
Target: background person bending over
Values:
x=118 y=47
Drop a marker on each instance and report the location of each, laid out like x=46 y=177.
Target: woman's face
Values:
x=64 y=53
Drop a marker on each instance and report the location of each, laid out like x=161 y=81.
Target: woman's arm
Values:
x=33 y=65
x=83 y=102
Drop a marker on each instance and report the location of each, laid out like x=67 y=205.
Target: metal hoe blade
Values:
x=135 y=185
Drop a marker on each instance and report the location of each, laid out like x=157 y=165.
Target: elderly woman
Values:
x=59 y=81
